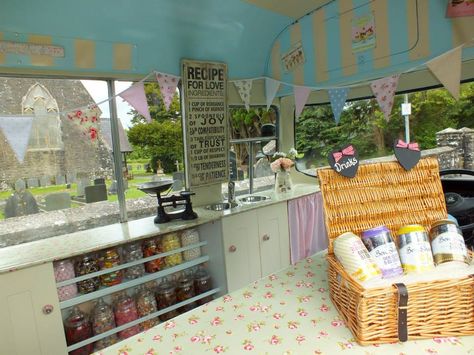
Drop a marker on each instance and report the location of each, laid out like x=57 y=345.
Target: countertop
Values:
x=69 y=245
x=289 y=312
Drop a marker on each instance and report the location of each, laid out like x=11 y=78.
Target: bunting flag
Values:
x=384 y=91
x=135 y=96
x=338 y=99
x=88 y=120
x=168 y=84
x=301 y=96
x=447 y=69
x=271 y=88
x=244 y=87
x=16 y=130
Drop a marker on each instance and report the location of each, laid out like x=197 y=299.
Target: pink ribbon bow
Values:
x=346 y=151
x=411 y=146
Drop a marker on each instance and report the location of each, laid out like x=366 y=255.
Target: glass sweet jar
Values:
x=185 y=291
x=190 y=237
x=202 y=284
x=78 y=328
x=109 y=259
x=166 y=297
x=102 y=321
x=133 y=252
x=86 y=265
x=152 y=247
x=125 y=310
x=171 y=242
x=64 y=270
x=146 y=304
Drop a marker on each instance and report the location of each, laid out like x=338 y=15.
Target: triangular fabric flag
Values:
x=135 y=96
x=301 y=96
x=168 y=84
x=87 y=118
x=16 y=130
x=244 y=87
x=271 y=88
x=384 y=91
x=447 y=69
x=338 y=99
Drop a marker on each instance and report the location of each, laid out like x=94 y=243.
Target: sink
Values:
x=253 y=199
x=220 y=206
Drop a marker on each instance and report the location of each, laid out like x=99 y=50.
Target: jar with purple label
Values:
x=383 y=251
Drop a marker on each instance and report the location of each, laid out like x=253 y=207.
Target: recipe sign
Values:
x=205 y=122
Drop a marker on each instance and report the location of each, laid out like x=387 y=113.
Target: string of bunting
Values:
x=446 y=68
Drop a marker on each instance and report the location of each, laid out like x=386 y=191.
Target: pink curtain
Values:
x=307 y=228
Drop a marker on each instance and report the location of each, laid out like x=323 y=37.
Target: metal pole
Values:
x=407 y=123
x=117 y=154
x=251 y=167
x=184 y=124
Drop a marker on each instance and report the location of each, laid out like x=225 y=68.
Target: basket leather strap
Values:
x=402 y=311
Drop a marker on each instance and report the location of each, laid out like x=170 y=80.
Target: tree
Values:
x=162 y=139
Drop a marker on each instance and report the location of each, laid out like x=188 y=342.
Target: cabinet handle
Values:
x=266 y=237
x=232 y=249
x=48 y=309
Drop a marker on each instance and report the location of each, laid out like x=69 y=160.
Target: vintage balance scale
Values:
x=169 y=207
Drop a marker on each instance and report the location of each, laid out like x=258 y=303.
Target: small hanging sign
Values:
x=408 y=154
x=345 y=161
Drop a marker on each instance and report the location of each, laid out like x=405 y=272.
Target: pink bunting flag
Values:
x=16 y=130
x=301 y=96
x=135 y=96
x=447 y=69
x=168 y=84
x=384 y=91
x=271 y=88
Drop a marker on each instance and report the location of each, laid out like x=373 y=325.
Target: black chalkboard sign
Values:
x=408 y=154
x=345 y=161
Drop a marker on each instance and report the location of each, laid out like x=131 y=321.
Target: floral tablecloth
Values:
x=286 y=313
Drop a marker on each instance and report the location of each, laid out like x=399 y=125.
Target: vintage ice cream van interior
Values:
x=172 y=174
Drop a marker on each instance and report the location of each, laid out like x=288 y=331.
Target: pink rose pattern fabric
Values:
x=88 y=119
x=384 y=91
x=285 y=313
x=168 y=84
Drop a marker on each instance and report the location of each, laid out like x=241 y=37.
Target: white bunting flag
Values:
x=244 y=87
x=301 y=96
x=135 y=96
x=338 y=99
x=168 y=84
x=447 y=69
x=384 y=91
x=16 y=130
x=271 y=88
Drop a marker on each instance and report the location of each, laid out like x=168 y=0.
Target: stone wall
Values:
x=462 y=141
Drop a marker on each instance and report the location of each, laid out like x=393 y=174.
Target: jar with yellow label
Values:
x=171 y=242
x=414 y=248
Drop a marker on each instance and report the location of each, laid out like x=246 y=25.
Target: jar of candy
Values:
x=64 y=270
x=190 y=237
x=202 y=283
x=125 y=310
x=185 y=291
x=102 y=321
x=171 y=242
x=166 y=297
x=78 y=328
x=414 y=248
x=133 y=252
x=447 y=243
x=150 y=248
x=109 y=259
x=146 y=304
x=86 y=265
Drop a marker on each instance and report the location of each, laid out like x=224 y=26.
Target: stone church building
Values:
x=57 y=146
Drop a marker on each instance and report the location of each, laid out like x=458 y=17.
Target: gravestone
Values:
x=262 y=168
x=99 y=181
x=81 y=185
x=71 y=178
x=95 y=193
x=60 y=180
x=113 y=188
x=32 y=182
x=21 y=203
x=20 y=185
x=57 y=201
x=45 y=180
x=232 y=165
x=178 y=180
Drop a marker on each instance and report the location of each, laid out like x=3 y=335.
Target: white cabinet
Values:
x=30 y=314
x=256 y=244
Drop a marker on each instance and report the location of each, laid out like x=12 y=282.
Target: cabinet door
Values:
x=24 y=326
x=274 y=238
x=241 y=250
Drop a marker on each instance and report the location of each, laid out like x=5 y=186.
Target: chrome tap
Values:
x=231 y=194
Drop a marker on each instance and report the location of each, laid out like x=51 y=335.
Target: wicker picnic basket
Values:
x=385 y=194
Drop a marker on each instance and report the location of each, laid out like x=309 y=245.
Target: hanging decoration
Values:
x=345 y=161
x=88 y=120
x=271 y=88
x=135 y=96
x=16 y=130
x=244 y=87
x=338 y=99
x=168 y=84
x=384 y=91
x=408 y=154
x=447 y=69
x=301 y=96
